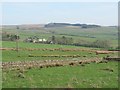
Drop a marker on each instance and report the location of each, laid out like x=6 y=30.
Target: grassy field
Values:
x=88 y=76
x=93 y=75
x=23 y=55
x=9 y=44
x=78 y=34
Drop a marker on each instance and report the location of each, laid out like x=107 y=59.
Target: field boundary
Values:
x=61 y=49
x=49 y=63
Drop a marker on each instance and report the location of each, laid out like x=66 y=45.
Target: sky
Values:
x=101 y=13
x=59 y=0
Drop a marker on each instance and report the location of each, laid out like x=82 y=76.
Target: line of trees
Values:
x=61 y=40
x=9 y=37
x=101 y=44
x=96 y=44
x=69 y=41
x=64 y=41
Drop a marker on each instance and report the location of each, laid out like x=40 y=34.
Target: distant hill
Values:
x=31 y=26
x=68 y=24
x=24 y=26
x=113 y=26
x=49 y=25
x=57 y=24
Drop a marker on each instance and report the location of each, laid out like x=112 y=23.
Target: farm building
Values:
x=36 y=40
x=42 y=40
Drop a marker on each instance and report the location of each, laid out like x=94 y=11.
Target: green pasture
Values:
x=88 y=76
x=10 y=44
x=93 y=75
x=78 y=34
x=22 y=55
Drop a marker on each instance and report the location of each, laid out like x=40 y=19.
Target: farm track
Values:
x=49 y=63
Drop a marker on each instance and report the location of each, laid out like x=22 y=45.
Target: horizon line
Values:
x=55 y=22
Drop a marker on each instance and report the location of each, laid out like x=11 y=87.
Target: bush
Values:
x=101 y=44
x=61 y=40
x=96 y=44
x=9 y=37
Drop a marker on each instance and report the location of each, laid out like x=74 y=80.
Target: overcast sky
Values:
x=102 y=13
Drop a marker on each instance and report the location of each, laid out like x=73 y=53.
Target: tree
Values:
x=53 y=39
x=14 y=37
x=101 y=44
x=9 y=37
x=64 y=41
x=70 y=41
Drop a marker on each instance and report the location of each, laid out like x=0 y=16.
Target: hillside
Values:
x=79 y=34
x=68 y=24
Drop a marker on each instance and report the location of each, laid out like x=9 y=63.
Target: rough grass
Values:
x=88 y=76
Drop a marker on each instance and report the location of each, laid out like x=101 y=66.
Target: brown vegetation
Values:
x=48 y=63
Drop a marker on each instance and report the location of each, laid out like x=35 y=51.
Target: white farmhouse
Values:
x=42 y=40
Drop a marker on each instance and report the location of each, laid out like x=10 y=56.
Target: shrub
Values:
x=101 y=44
